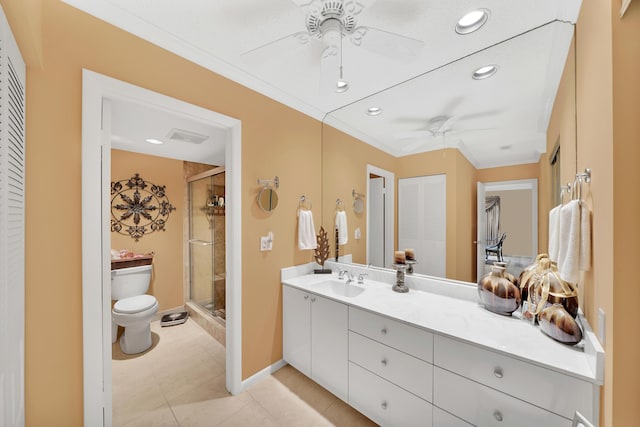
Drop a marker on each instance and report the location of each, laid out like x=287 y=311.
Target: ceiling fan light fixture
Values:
x=374 y=111
x=472 y=21
x=341 y=86
x=484 y=72
x=154 y=141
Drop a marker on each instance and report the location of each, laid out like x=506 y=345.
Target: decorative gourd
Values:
x=556 y=322
x=497 y=293
x=527 y=276
x=545 y=288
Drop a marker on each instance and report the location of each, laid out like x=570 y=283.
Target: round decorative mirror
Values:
x=267 y=199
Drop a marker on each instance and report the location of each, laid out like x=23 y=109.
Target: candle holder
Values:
x=410 y=266
x=400 y=272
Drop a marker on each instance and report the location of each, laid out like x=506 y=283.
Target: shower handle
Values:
x=200 y=242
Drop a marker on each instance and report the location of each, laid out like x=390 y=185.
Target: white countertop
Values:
x=465 y=320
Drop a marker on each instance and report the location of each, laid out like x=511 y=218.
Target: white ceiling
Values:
x=527 y=39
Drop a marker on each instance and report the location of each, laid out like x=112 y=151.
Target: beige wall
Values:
x=273 y=135
x=166 y=282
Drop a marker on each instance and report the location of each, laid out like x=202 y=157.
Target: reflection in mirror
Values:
x=444 y=122
x=268 y=199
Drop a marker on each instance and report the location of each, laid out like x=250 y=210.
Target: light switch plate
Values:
x=266 y=242
x=357 y=234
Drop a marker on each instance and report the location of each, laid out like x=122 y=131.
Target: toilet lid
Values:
x=135 y=304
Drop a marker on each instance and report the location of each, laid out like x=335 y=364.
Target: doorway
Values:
x=96 y=300
x=380 y=216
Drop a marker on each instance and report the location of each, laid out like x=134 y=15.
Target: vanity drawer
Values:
x=484 y=406
x=409 y=339
x=444 y=419
x=385 y=403
x=406 y=371
x=548 y=389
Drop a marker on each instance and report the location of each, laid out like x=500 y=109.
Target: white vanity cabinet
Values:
x=315 y=338
x=390 y=370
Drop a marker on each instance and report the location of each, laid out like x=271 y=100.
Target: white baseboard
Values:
x=249 y=382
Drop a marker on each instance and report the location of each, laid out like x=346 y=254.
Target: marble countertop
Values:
x=465 y=320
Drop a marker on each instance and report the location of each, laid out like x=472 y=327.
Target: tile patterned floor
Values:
x=180 y=381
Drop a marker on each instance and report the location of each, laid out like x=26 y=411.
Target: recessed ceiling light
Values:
x=341 y=86
x=472 y=21
x=374 y=111
x=154 y=141
x=485 y=72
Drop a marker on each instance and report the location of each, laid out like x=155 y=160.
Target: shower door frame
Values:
x=197 y=177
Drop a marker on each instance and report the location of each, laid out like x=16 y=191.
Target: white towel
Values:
x=585 y=237
x=554 y=232
x=306 y=231
x=569 y=247
x=341 y=225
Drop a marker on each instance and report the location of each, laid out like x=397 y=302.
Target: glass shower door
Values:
x=207 y=243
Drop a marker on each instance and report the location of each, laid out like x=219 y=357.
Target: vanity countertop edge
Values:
x=464 y=320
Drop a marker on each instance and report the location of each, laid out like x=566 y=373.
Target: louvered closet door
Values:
x=12 y=190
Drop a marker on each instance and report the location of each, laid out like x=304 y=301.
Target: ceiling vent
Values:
x=186 y=136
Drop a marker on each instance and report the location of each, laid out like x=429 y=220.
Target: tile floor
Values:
x=180 y=381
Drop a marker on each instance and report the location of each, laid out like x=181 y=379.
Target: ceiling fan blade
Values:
x=387 y=44
x=354 y=7
x=275 y=48
x=469 y=130
x=448 y=124
x=413 y=135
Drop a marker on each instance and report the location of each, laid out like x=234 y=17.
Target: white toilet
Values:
x=134 y=309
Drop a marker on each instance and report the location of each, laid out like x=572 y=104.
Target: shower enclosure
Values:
x=207 y=242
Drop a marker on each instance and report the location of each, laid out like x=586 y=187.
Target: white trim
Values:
x=258 y=376
x=389 y=203
x=96 y=236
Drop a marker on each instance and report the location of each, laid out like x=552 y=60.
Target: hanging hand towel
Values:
x=306 y=230
x=569 y=245
x=554 y=232
x=585 y=237
x=341 y=225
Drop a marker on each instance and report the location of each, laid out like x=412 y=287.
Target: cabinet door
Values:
x=329 y=345
x=296 y=329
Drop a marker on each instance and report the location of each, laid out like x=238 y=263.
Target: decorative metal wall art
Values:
x=136 y=210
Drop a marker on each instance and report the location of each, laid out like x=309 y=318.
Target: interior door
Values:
x=376 y=222
x=481 y=228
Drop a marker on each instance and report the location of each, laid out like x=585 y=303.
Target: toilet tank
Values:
x=130 y=282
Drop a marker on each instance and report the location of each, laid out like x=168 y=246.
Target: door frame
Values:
x=96 y=301
x=520 y=184
x=389 y=202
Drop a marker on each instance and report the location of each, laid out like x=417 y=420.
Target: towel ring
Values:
x=339 y=204
x=301 y=203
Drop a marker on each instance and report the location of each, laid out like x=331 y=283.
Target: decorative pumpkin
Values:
x=545 y=288
x=497 y=293
x=556 y=322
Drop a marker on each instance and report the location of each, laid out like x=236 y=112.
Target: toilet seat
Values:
x=134 y=304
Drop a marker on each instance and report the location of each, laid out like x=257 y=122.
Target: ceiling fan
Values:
x=327 y=23
x=437 y=126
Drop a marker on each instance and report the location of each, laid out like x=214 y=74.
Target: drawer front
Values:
x=409 y=339
x=550 y=390
x=484 y=406
x=406 y=371
x=385 y=403
x=444 y=419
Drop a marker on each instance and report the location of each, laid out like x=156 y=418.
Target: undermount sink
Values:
x=344 y=289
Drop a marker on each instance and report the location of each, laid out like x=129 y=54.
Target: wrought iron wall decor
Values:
x=138 y=207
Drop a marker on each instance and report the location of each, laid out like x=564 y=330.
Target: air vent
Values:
x=186 y=136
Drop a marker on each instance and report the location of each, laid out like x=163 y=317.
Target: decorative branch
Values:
x=321 y=252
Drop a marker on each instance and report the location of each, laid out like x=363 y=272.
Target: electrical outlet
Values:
x=357 y=234
x=266 y=242
x=601 y=326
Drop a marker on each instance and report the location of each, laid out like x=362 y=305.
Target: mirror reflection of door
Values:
x=376 y=220
x=422 y=222
x=511 y=208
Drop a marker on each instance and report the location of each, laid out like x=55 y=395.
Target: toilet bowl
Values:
x=134 y=309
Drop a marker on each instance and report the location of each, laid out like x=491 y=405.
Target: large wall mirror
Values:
x=421 y=151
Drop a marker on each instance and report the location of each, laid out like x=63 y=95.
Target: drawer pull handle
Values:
x=313 y=299
x=498 y=416
x=383 y=405
x=306 y=297
x=383 y=331
x=384 y=362
x=498 y=372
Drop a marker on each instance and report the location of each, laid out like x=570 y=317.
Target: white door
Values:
x=481 y=230
x=422 y=222
x=376 y=222
x=12 y=229
x=296 y=329
x=329 y=345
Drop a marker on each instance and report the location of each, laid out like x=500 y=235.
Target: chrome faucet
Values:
x=349 y=274
x=361 y=278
